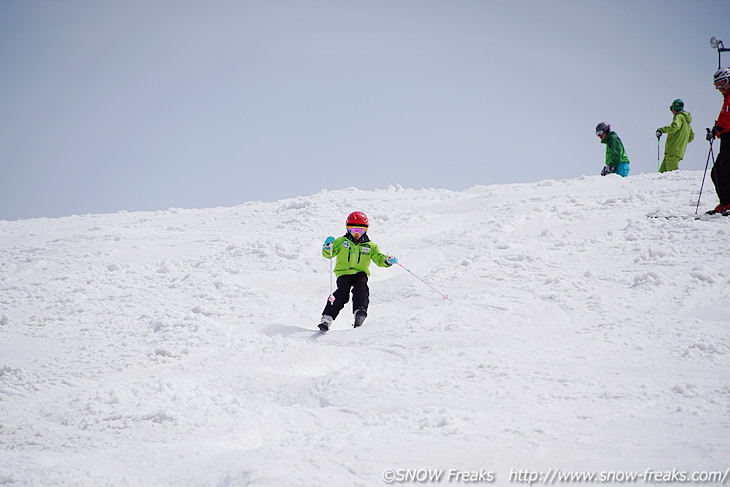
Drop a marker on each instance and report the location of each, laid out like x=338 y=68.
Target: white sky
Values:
x=145 y=105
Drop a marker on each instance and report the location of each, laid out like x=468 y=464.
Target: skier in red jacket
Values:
x=721 y=170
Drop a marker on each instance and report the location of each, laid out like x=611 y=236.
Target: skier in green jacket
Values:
x=354 y=252
x=616 y=159
x=680 y=134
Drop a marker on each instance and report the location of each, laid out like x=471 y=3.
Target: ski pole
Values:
x=330 y=241
x=427 y=284
x=331 y=297
x=711 y=153
x=658 y=162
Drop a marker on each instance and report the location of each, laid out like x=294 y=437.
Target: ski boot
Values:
x=722 y=209
x=360 y=316
x=325 y=322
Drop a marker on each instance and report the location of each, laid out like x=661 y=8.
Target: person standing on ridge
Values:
x=680 y=134
x=721 y=169
x=616 y=159
x=354 y=251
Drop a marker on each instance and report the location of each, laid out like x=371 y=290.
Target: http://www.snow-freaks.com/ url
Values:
x=553 y=476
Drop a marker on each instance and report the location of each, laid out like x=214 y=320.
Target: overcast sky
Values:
x=152 y=104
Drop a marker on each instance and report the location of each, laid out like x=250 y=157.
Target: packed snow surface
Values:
x=180 y=347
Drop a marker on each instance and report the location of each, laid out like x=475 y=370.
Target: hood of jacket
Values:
x=686 y=115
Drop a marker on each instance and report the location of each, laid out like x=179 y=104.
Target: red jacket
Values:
x=723 y=120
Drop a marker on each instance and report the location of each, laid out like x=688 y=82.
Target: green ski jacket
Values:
x=354 y=257
x=680 y=134
x=615 y=152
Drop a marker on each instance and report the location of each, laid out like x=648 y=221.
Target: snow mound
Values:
x=180 y=347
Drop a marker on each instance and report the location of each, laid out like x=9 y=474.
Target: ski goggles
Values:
x=357 y=231
x=600 y=132
x=721 y=83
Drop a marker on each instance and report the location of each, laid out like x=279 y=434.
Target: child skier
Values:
x=354 y=252
x=616 y=160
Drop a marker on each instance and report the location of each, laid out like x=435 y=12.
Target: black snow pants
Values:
x=360 y=294
x=721 y=170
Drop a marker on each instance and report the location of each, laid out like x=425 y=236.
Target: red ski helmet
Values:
x=357 y=218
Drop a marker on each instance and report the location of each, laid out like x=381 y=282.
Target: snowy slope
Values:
x=178 y=347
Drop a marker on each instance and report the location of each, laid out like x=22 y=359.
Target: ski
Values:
x=701 y=216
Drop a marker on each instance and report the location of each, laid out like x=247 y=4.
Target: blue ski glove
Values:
x=658 y=133
x=328 y=243
x=391 y=260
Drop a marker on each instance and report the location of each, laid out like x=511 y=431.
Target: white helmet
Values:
x=721 y=74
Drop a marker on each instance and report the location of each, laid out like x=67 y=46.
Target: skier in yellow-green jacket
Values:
x=680 y=134
x=353 y=253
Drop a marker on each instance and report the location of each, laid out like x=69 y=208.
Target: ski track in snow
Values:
x=180 y=347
